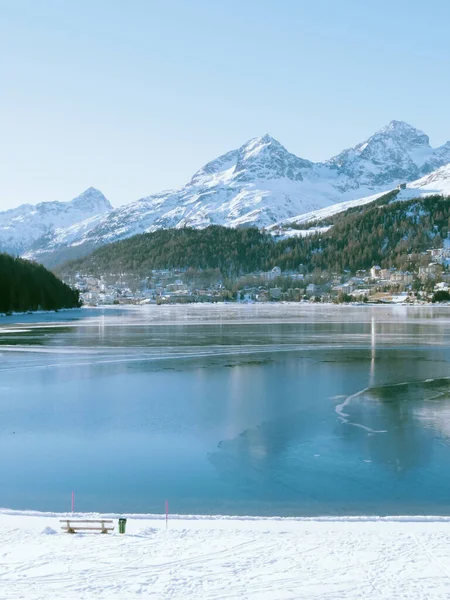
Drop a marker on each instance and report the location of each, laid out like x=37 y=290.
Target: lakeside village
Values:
x=429 y=284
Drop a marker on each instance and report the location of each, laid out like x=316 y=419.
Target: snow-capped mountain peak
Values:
x=396 y=140
x=91 y=199
x=397 y=152
x=404 y=133
x=21 y=227
x=261 y=145
x=261 y=158
x=265 y=158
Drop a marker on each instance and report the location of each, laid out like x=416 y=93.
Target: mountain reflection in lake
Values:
x=237 y=409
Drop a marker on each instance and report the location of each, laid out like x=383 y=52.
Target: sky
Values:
x=133 y=97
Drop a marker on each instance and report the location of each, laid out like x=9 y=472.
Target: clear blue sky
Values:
x=134 y=96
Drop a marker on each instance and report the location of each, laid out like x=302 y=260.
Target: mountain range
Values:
x=259 y=184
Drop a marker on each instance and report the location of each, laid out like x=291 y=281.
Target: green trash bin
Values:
x=122 y=525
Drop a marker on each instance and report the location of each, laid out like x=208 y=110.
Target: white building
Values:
x=375 y=272
x=273 y=274
x=311 y=289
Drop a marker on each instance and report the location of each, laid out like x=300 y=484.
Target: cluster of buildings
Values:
x=179 y=286
x=162 y=287
x=394 y=284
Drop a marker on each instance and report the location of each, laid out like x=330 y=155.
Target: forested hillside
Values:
x=28 y=286
x=232 y=251
x=384 y=232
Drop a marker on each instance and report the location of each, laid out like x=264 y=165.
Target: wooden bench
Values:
x=74 y=525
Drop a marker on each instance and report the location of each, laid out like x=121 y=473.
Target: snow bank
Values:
x=227 y=558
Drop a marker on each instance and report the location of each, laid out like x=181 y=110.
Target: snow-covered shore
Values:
x=225 y=558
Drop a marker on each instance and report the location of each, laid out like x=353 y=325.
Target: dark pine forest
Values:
x=28 y=286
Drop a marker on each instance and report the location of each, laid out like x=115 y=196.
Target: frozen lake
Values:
x=227 y=409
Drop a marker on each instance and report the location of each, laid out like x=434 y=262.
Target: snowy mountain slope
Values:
x=21 y=227
x=263 y=184
x=329 y=211
x=435 y=183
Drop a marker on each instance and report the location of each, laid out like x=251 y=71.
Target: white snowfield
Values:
x=324 y=213
x=227 y=558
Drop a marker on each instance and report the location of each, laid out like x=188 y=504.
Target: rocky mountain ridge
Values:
x=259 y=184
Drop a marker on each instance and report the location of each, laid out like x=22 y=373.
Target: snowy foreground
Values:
x=199 y=557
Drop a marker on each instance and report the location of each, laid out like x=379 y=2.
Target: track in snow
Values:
x=223 y=559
